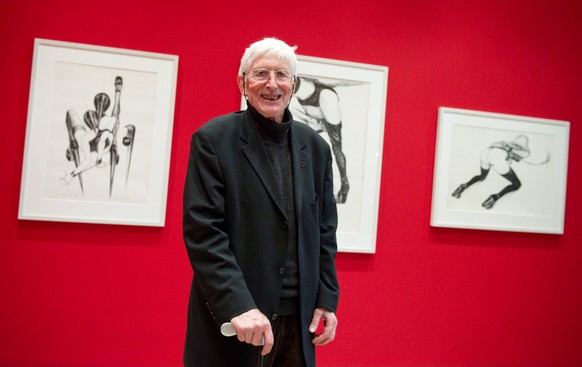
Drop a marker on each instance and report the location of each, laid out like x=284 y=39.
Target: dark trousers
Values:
x=287 y=350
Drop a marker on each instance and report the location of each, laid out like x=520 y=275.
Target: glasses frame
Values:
x=277 y=74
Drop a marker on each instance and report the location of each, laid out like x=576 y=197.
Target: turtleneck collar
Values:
x=270 y=129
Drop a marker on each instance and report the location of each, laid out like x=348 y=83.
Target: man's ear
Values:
x=241 y=84
x=296 y=83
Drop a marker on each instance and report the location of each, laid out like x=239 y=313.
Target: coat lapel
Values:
x=301 y=161
x=254 y=148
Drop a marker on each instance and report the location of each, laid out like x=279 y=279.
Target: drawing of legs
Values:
x=514 y=186
x=79 y=147
x=335 y=136
x=462 y=187
x=497 y=158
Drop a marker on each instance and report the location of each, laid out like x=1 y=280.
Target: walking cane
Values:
x=228 y=330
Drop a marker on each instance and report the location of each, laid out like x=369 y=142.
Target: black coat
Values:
x=235 y=231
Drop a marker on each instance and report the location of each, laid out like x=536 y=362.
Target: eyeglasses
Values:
x=264 y=74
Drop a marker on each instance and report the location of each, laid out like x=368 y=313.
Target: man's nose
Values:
x=272 y=80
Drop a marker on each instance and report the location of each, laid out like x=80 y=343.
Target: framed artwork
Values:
x=500 y=172
x=346 y=103
x=98 y=135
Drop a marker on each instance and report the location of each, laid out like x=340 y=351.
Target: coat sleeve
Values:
x=328 y=295
x=216 y=271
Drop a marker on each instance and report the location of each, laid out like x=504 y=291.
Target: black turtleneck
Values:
x=276 y=139
x=275 y=131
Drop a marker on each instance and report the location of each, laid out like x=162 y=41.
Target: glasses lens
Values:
x=261 y=74
x=282 y=75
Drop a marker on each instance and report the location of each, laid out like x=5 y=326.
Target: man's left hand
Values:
x=329 y=320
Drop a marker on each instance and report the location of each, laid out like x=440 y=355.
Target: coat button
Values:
x=274 y=317
x=281 y=270
x=285 y=225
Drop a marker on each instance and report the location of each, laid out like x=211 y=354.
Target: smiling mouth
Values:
x=270 y=98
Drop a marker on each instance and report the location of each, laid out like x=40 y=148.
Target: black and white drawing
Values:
x=499 y=156
x=345 y=102
x=101 y=135
x=499 y=172
x=98 y=136
x=98 y=140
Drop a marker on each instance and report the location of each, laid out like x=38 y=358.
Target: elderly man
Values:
x=260 y=225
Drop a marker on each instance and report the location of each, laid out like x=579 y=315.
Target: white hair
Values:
x=272 y=47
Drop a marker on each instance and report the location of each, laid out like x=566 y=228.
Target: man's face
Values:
x=271 y=96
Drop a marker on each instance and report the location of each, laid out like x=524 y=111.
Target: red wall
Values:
x=100 y=295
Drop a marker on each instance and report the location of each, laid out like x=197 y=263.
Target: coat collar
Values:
x=255 y=151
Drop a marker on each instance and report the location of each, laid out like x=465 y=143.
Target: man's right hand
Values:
x=254 y=328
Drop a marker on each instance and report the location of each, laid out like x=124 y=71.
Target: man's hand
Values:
x=329 y=320
x=253 y=327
